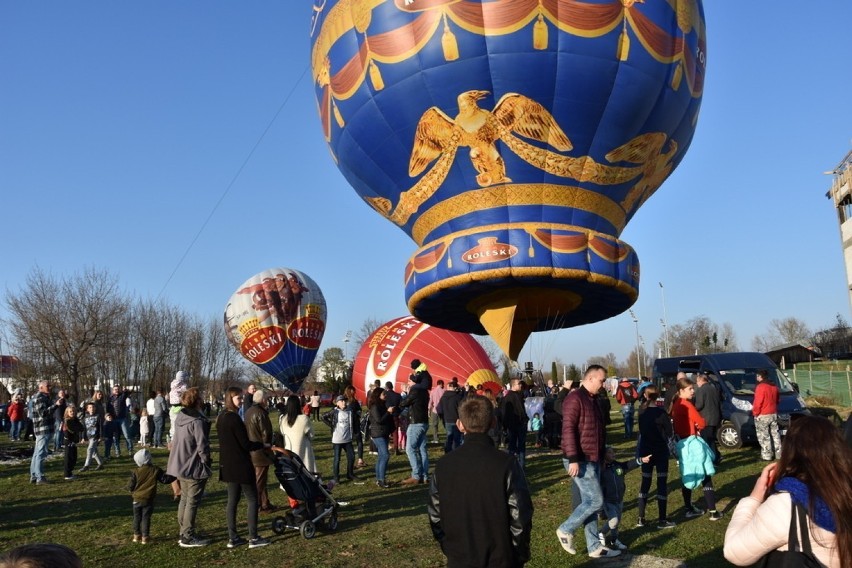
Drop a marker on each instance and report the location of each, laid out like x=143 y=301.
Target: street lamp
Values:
x=638 y=362
x=664 y=321
x=346 y=339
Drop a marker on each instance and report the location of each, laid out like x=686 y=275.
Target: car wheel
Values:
x=729 y=437
x=308 y=530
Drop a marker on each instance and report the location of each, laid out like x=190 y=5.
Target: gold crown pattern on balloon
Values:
x=313 y=311
x=249 y=326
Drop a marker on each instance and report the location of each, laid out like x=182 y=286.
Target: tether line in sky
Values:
x=232 y=182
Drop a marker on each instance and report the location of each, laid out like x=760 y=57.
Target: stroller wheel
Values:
x=279 y=525
x=308 y=530
x=331 y=521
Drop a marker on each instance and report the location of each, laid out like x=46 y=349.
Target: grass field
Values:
x=378 y=528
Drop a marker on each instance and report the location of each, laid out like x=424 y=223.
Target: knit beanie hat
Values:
x=142 y=457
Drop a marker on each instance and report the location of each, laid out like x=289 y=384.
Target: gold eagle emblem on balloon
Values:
x=439 y=137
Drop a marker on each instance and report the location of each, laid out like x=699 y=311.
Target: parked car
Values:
x=734 y=375
x=326 y=399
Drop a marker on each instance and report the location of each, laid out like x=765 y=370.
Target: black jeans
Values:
x=350 y=459
x=70 y=461
x=235 y=490
x=142 y=518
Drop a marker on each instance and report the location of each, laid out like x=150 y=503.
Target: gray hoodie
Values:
x=190 y=454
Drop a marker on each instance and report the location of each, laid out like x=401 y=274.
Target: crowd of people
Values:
x=485 y=437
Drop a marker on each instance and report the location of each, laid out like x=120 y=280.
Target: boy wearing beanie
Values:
x=143 y=487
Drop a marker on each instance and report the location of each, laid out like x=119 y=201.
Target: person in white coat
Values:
x=295 y=428
x=814 y=472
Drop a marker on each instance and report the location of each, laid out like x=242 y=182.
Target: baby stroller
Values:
x=316 y=505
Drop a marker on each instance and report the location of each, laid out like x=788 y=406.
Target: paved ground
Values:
x=643 y=561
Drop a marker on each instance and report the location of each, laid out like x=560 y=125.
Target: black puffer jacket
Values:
x=417 y=403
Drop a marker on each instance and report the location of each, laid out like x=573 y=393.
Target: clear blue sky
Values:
x=123 y=124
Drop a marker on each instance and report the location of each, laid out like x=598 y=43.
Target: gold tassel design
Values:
x=376 y=76
x=449 y=43
x=337 y=116
x=678 y=75
x=449 y=261
x=531 y=251
x=623 y=45
x=540 y=33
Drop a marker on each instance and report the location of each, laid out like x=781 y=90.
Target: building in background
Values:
x=841 y=194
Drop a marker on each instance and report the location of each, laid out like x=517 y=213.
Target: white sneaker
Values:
x=620 y=545
x=604 y=552
x=602 y=538
x=567 y=541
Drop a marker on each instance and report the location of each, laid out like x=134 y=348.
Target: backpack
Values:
x=627 y=394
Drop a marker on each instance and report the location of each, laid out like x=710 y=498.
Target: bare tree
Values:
x=66 y=322
x=608 y=362
x=782 y=332
x=367 y=328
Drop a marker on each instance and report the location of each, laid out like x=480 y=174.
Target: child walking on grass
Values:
x=143 y=486
x=93 y=424
x=613 y=487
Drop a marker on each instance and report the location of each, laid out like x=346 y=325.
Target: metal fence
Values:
x=834 y=384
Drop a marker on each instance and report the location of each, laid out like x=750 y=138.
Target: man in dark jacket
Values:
x=469 y=519
x=417 y=403
x=515 y=420
x=450 y=401
x=583 y=440
x=709 y=405
x=392 y=400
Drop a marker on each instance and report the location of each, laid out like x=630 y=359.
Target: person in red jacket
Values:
x=765 y=412
x=626 y=395
x=17 y=416
x=687 y=421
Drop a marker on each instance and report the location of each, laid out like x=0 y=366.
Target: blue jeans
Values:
x=39 y=453
x=382 y=463
x=125 y=431
x=585 y=513
x=57 y=438
x=415 y=448
x=159 y=422
x=454 y=437
x=15 y=432
x=627 y=412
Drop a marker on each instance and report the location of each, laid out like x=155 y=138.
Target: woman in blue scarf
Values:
x=814 y=471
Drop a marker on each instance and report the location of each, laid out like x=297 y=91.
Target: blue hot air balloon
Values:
x=512 y=140
x=276 y=319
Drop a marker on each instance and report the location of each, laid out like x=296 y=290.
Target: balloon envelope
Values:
x=276 y=319
x=387 y=354
x=512 y=140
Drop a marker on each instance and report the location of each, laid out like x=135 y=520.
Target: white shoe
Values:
x=567 y=541
x=602 y=538
x=604 y=552
x=620 y=545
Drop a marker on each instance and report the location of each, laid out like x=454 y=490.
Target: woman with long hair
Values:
x=357 y=436
x=295 y=428
x=814 y=471
x=381 y=425
x=687 y=421
x=654 y=428
x=236 y=469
